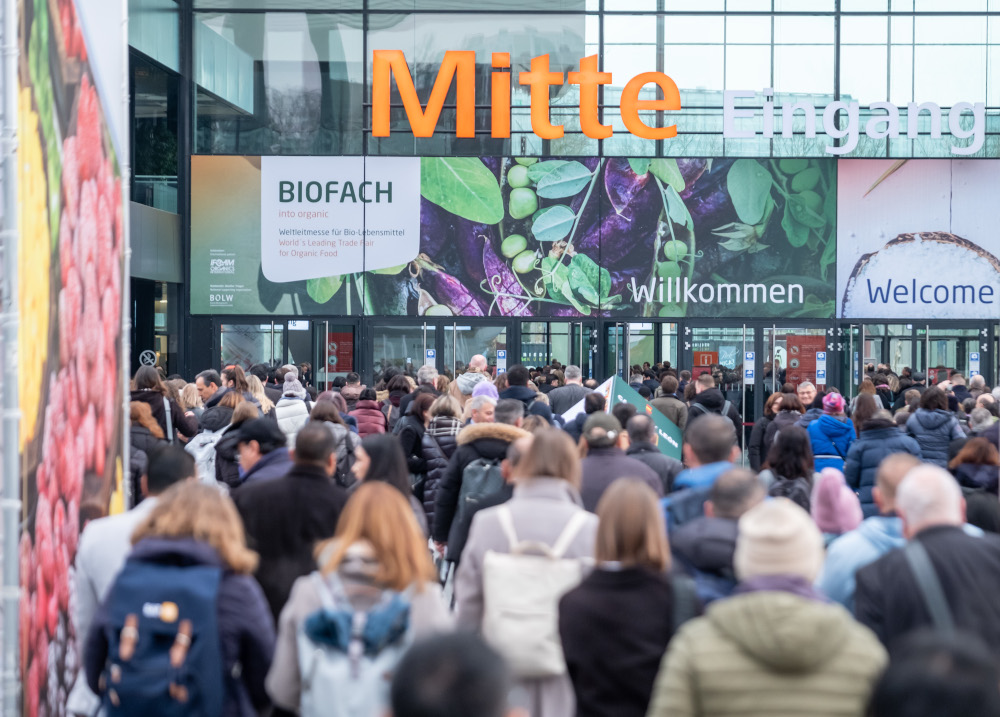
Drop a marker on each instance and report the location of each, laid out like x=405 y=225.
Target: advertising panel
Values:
x=916 y=239
x=521 y=237
x=70 y=267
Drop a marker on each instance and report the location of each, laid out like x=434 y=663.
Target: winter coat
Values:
x=878 y=439
x=781 y=420
x=479 y=440
x=347 y=442
x=216 y=417
x=711 y=400
x=438 y=445
x=565 y=397
x=145 y=443
x=370 y=418
x=889 y=601
x=666 y=468
x=291 y=413
x=766 y=653
x=227 y=458
x=811 y=414
x=183 y=424
x=575 y=427
x=615 y=627
x=855 y=549
x=603 y=466
x=351 y=395
x=463 y=385
x=407 y=399
x=428 y=615
x=977 y=477
x=411 y=435
x=246 y=630
x=830 y=437
x=275 y=464
x=673 y=408
x=284 y=518
x=901 y=396
x=755 y=449
x=704 y=548
x=934 y=430
x=540 y=509
x=530 y=400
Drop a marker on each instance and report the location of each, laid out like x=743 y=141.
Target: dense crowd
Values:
x=507 y=545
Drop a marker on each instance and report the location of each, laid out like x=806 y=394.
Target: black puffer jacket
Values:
x=439 y=443
x=227 y=459
x=934 y=430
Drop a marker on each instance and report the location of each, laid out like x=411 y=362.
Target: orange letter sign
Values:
x=589 y=78
x=540 y=79
x=456 y=63
x=631 y=104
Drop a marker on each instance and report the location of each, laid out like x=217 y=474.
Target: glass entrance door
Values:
x=404 y=346
x=955 y=349
x=569 y=342
x=334 y=349
x=247 y=344
x=722 y=351
x=463 y=341
x=795 y=356
x=639 y=343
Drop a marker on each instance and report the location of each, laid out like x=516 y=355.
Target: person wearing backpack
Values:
x=616 y=625
x=788 y=471
x=520 y=559
x=709 y=399
x=292 y=411
x=475 y=469
x=376 y=568
x=831 y=435
x=346 y=440
x=149 y=388
x=185 y=629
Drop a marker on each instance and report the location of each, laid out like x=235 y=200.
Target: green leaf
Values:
x=749 y=186
x=639 y=166
x=676 y=210
x=554 y=275
x=828 y=259
x=796 y=231
x=567 y=291
x=537 y=172
x=803 y=214
x=463 y=186
x=667 y=171
x=606 y=284
x=553 y=223
x=564 y=181
x=324 y=289
x=736 y=244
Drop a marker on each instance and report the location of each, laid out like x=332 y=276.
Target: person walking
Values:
x=788 y=414
x=465 y=383
x=755 y=448
x=642 y=446
x=381 y=458
x=148 y=388
x=438 y=445
x=292 y=410
x=879 y=438
x=977 y=466
x=563 y=398
x=667 y=402
x=831 y=435
x=606 y=461
x=934 y=427
x=368 y=415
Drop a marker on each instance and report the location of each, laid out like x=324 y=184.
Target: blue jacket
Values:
x=852 y=551
x=878 y=439
x=702 y=476
x=275 y=464
x=934 y=430
x=830 y=438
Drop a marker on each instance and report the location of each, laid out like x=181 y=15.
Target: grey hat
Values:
x=293 y=387
x=918 y=376
x=601 y=429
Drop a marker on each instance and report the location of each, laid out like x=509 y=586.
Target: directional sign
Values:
x=430 y=357
x=973 y=363
x=749 y=365
x=821 y=367
x=501 y=361
x=148 y=358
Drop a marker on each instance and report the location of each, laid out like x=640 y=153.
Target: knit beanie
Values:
x=486 y=388
x=777 y=537
x=292 y=387
x=833 y=403
x=835 y=507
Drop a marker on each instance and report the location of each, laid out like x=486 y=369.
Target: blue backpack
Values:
x=164 y=655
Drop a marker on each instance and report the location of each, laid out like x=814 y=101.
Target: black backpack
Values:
x=702 y=410
x=797 y=490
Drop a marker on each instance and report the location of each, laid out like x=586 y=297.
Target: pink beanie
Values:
x=835 y=507
x=833 y=403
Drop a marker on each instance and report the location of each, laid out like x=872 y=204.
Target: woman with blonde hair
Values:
x=148 y=387
x=377 y=553
x=256 y=389
x=617 y=624
x=194 y=536
x=545 y=512
x=191 y=400
x=227 y=459
x=438 y=444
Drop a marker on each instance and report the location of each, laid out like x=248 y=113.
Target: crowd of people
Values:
x=512 y=545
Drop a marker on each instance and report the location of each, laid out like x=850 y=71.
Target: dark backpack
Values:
x=480 y=478
x=343 y=474
x=391 y=414
x=702 y=410
x=164 y=655
x=797 y=490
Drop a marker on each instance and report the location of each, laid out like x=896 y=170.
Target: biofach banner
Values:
x=914 y=239
x=501 y=236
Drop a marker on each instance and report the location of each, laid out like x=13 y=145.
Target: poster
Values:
x=917 y=239
x=518 y=237
x=71 y=246
x=801 y=358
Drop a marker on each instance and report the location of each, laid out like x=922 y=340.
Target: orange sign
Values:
x=460 y=65
x=706 y=358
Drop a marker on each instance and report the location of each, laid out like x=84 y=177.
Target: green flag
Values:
x=668 y=435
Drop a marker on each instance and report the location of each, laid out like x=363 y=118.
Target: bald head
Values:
x=889 y=475
x=478 y=362
x=929 y=496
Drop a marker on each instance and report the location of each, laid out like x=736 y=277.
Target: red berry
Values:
x=88 y=130
x=32 y=691
x=71 y=183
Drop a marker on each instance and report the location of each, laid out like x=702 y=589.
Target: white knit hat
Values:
x=777 y=537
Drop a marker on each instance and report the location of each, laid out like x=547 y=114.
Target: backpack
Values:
x=202 y=448
x=480 y=478
x=702 y=410
x=345 y=460
x=391 y=414
x=164 y=655
x=347 y=657
x=797 y=490
x=521 y=593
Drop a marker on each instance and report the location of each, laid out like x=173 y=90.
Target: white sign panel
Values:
x=501 y=361
x=974 y=363
x=821 y=368
x=430 y=357
x=749 y=365
x=329 y=216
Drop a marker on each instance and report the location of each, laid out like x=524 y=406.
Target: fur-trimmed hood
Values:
x=498 y=431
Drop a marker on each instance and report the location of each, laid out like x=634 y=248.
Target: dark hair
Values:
x=451 y=675
x=937 y=674
x=669 y=385
x=398 y=383
x=791 y=454
x=352 y=377
x=260 y=371
x=644 y=391
x=314 y=444
x=388 y=462
x=711 y=437
x=593 y=402
x=791 y=402
x=518 y=375
x=265 y=431
x=978 y=451
x=623 y=412
x=147 y=377
x=238 y=377
x=367 y=394
x=934 y=398
x=209 y=376
x=734 y=492
x=168 y=465
x=326 y=411
x=338 y=382
x=420 y=405
x=640 y=428
x=864 y=408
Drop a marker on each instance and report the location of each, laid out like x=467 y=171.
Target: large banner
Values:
x=917 y=239
x=501 y=236
x=70 y=276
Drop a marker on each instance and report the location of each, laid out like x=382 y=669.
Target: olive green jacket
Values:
x=769 y=654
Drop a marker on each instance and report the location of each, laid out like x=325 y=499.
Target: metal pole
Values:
x=774 y=356
x=860 y=360
x=454 y=349
x=927 y=354
x=11 y=498
x=326 y=356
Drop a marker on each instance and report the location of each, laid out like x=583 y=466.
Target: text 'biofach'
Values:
x=333 y=191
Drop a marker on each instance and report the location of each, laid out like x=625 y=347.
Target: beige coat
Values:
x=541 y=508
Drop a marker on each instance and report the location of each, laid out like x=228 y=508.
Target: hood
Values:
x=932 y=420
x=351 y=393
x=710 y=398
x=497 y=431
x=216 y=397
x=884 y=532
x=879 y=427
x=521 y=393
x=835 y=427
x=469 y=380
x=176 y=551
x=785 y=632
x=216 y=417
x=707 y=544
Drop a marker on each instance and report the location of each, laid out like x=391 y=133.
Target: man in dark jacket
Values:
x=592 y=403
x=426 y=378
x=487 y=441
x=709 y=399
x=642 y=446
x=918 y=385
x=262 y=450
x=565 y=397
x=889 y=598
x=606 y=462
x=669 y=404
x=518 y=378
x=285 y=517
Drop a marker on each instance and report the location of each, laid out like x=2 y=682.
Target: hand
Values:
x=441 y=547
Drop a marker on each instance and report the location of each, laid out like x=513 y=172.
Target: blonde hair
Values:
x=378 y=514
x=445 y=405
x=245 y=411
x=190 y=398
x=534 y=424
x=193 y=510
x=552 y=455
x=231 y=399
x=631 y=530
x=442 y=383
x=140 y=412
x=257 y=391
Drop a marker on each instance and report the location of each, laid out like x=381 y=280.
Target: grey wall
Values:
x=156 y=244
